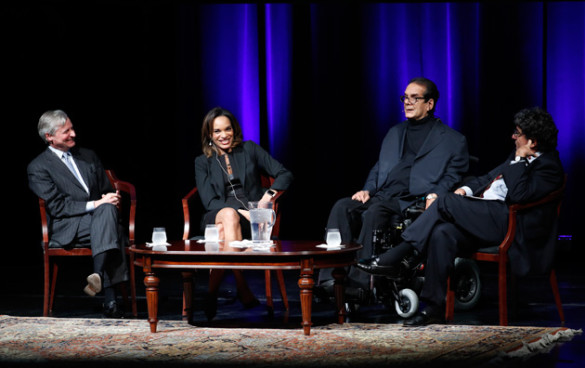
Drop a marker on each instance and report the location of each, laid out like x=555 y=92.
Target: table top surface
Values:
x=278 y=248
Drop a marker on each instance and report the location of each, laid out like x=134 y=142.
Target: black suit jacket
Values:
x=50 y=179
x=437 y=168
x=536 y=233
x=251 y=160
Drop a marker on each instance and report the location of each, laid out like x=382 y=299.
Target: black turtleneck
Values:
x=416 y=133
x=398 y=179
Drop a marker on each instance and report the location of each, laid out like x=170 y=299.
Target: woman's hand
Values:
x=244 y=213
x=266 y=198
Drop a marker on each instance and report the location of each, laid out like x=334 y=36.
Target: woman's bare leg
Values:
x=228 y=222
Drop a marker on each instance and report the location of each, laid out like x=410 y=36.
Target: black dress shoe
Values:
x=372 y=266
x=423 y=318
x=112 y=310
x=412 y=260
x=210 y=307
x=251 y=304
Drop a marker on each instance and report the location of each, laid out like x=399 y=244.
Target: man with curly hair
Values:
x=476 y=216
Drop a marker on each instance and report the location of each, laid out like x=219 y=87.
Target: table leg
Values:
x=151 y=282
x=339 y=276
x=306 y=284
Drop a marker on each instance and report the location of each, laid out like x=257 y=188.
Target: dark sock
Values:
x=394 y=255
x=99 y=263
x=109 y=294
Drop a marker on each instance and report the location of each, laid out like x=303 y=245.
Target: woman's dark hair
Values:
x=538 y=125
x=207 y=129
x=431 y=89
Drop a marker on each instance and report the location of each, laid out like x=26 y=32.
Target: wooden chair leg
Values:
x=53 y=284
x=282 y=287
x=47 y=284
x=187 y=295
x=503 y=291
x=133 y=286
x=555 y=288
x=268 y=287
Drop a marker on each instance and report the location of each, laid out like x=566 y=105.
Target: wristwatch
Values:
x=271 y=192
x=519 y=158
x=431 y=196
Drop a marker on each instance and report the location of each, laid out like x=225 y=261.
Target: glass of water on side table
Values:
x=159 y=239
x=159 y=236
x=211 y=233
x=333 y=237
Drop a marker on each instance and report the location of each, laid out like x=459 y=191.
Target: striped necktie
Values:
x=68 y=159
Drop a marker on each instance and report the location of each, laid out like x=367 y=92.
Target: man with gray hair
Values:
x=81 y=204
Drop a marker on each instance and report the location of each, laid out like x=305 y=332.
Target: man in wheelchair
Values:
x=420 y=158
x=476 y=215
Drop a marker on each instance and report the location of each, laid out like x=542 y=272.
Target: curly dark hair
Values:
x=538 y=125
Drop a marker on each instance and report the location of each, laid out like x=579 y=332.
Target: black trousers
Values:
x=102 y=229
x=453 y=224
x=357 y=221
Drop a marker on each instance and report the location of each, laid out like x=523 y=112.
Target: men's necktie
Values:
x=68 y=161
x=490 y=184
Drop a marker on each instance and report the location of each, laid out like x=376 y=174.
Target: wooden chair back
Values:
x=501 y=257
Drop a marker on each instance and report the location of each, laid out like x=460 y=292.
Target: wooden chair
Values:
x=187 y=276
x=51 y=266
x=500 y=255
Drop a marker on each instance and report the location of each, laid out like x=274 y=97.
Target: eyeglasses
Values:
x=517 y=134
x=411 y=100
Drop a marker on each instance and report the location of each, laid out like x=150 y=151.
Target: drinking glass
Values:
x=333 y=237
x=211 y=233
x=159 y=235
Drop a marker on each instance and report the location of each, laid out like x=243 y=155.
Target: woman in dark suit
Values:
x=228 y=175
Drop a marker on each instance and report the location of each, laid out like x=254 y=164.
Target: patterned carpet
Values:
x=43 y=342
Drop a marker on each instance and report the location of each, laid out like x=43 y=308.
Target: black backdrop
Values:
x=124 y=72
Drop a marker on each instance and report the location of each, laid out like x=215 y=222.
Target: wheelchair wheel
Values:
x=467 y=284
x=407 y=304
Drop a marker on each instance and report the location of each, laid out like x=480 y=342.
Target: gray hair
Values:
x=50 y=121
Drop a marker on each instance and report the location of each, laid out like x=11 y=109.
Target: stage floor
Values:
x=21 y=290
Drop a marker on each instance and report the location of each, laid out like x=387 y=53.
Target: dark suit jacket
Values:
x=536 y=233
x=50 y=179
x=437 y=168
x=251 y=160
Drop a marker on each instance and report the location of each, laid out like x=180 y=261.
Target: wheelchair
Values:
x=401 y=292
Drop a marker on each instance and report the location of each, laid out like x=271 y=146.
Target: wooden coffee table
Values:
x=185 y=255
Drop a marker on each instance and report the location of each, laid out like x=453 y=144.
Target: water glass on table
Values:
x=211 y=233
x=159 y=235
x=333 y=237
